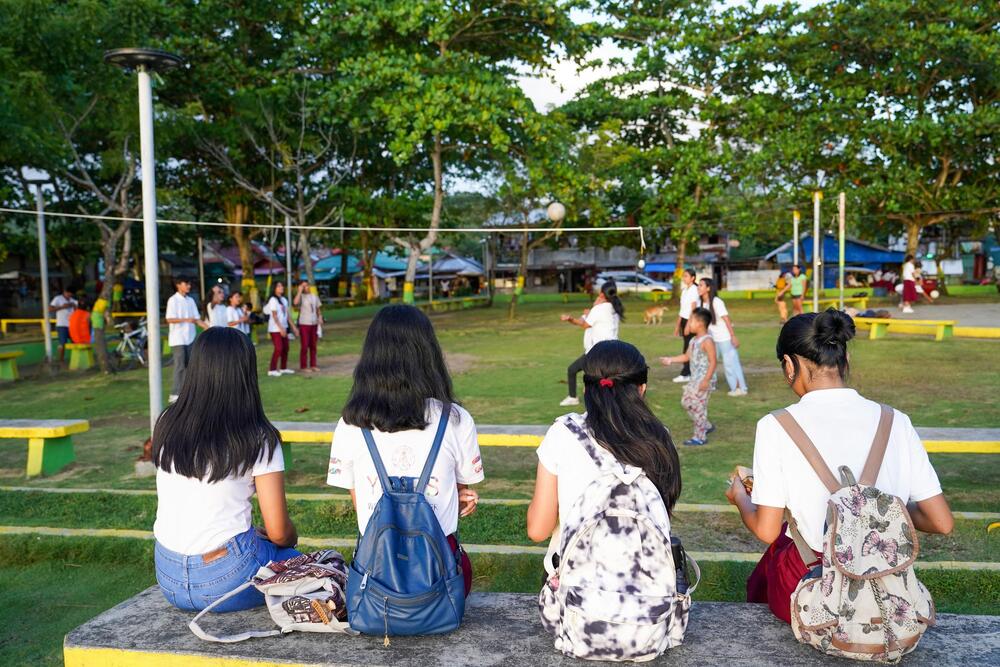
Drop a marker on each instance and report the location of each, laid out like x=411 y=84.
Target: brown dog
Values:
x=654 y=315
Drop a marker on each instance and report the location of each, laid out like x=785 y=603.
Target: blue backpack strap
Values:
x=383 y=476
x=425 y=476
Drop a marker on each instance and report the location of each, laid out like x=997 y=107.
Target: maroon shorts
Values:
x=777 y=574
x=464 y=563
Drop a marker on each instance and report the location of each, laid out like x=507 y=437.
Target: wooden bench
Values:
x=497 y=629
x=50 y=441
x=8 y=364
x=859 y=302
x=81 y=356
x=878 y=327
x=4 y=323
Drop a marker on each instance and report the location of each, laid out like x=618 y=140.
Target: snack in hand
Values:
x=746 y=476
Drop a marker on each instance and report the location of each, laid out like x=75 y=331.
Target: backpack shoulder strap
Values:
x=425 y=476
x=879 y=444
x=598 y=455
x=807 y=448
x=383 y=476
x=227 y=639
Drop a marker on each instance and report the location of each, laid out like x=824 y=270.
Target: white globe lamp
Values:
x=641 y=264
x=556 y=212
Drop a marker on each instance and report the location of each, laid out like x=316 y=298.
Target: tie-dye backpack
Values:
x=864 y=600
x=613 y=595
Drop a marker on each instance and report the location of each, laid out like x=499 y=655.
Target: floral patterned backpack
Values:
x=614 y=595
x=864 y=600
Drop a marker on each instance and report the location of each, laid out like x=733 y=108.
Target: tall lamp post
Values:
x=144 y=61
x=43 y=261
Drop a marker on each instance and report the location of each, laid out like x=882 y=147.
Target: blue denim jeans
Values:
x=191 y=584
x=730 y=358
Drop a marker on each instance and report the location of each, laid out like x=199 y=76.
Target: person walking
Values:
x=278 y=324
x=237 y=315
x=841 y=428
x=701 y=355
x=63 y=306
x=599 y=323
x=181 y=317
x=689 y=301
x=724 y=337
x=781 y=287
x=798 y=285
x=310 y=320
x=909 y=285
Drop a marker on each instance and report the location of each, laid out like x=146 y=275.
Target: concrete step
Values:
x=498 y=629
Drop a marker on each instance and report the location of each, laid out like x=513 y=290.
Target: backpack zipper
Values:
x=364 y=580
x=385 y=617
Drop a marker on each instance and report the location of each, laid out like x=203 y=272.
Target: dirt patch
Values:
x=342 y=365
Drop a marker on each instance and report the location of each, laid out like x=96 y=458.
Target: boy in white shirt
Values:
x=182 y=316
x=63 y=306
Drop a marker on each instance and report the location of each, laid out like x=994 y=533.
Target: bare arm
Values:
x=732 y=332
x=762 y=520
x=575 y=321
x=932 y=515
x=277 y=523
x=708 y=346
x=543 y=512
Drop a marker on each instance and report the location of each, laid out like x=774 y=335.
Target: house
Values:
x=857 y=254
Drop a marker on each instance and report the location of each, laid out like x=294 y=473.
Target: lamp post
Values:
x=43 y=262
x=795 y=236
x=817 y=250
x=144 y=61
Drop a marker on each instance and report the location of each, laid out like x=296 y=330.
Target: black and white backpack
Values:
x=614 y=593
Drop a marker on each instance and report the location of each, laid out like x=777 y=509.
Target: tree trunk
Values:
x=307 y=261
x=522 y=272
x=682 y=244
x=417 y=249
x=237 y=213
x=343 y=270
x=368 y=260
x=912 y=236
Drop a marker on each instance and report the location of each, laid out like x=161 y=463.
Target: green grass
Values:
x=505 y=373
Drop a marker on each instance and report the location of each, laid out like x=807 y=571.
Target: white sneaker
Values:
x=739 y=391
x=682 y=378
x=274 y=374
x=569 y=400
x=287 y=371
x=907 y=310
x=173 y=398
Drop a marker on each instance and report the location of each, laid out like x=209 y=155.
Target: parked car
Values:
x=630 y=281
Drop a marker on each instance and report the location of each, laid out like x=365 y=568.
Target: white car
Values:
x=630 y=281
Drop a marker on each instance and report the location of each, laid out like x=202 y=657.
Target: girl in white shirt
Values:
x=724 y=337
x=812 y=349
x=278 y=324
x=237 y=316
x=600 y=323
x=209 y=465
x=401 y=383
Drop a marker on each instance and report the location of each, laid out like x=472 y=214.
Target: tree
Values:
x=441 y=77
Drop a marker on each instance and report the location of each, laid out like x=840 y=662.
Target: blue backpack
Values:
x=405 y=579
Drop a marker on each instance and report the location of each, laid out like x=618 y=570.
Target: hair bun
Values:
x=832 y=327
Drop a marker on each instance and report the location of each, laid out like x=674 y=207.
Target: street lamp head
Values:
x=153 y=60
x=556 y=212
x=641 y=264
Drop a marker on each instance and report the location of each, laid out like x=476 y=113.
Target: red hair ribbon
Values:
x=607 y=382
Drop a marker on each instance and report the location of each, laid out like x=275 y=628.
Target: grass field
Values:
x=505 y=373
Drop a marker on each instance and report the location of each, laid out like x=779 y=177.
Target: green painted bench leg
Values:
x=47 y=456
x=8 y=369
x=81 y=360
x=943 y=331
x=877 y=330
x=286 y=453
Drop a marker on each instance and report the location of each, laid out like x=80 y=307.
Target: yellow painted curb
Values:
x=77 y=656
x=962 y=446
x=325 y=437
x=977 y=332
x=485 y=439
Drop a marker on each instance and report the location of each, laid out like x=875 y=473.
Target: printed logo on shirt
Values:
x=403 y=458
x=477 y=464
x=334 y=468
x=433 y=487
x=372 y=481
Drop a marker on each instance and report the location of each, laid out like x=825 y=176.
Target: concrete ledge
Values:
x=499 y=629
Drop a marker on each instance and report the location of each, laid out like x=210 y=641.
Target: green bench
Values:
x=50 y=441
x=81 y=356
x=8 y=364
x=878 y=327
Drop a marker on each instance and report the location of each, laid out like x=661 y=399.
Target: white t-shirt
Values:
x=603 y=321
x=235 y=315
x=404 y=454
x=562 y=455
x=217 y=315
x=181 y=307
x=841 y=423
x=909 y=269
x=278 y=307
x=719 y=330
x=195 y=517
x=689 y=301
x=62 y=316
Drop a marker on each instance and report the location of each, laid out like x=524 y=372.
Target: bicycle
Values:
x=131 y=349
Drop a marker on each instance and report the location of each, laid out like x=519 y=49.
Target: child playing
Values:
x=701 y=355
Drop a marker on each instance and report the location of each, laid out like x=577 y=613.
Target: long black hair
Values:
x=274 y=290
x=610 y=291
x=712 y=293
x=401 y=366
x=620 y=420
x=195 y=437
x=819 y=337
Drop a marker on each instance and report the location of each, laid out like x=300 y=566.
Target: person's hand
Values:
x=677 y=331
x=703 y=386
x=468 y=500
x=736 y=342
x=666 y=361
x=565 y=318
x=736 y=491
x=284 y=333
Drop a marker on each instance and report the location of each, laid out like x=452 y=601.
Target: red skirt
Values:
x=909 y=291
x=464 y=563
x=777 y=574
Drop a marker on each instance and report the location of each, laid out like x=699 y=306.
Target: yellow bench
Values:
x=859 y=302
x=8 y=364
x=878 y=327
x=4 y=323
x=50 y=441
x=81 y=356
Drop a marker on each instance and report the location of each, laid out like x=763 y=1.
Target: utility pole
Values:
x=841 y=239
x=817 y=251
x=796 y=217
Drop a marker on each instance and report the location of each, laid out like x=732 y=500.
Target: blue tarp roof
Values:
x=858 y=253
x=660 y=267
x=328 y=268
